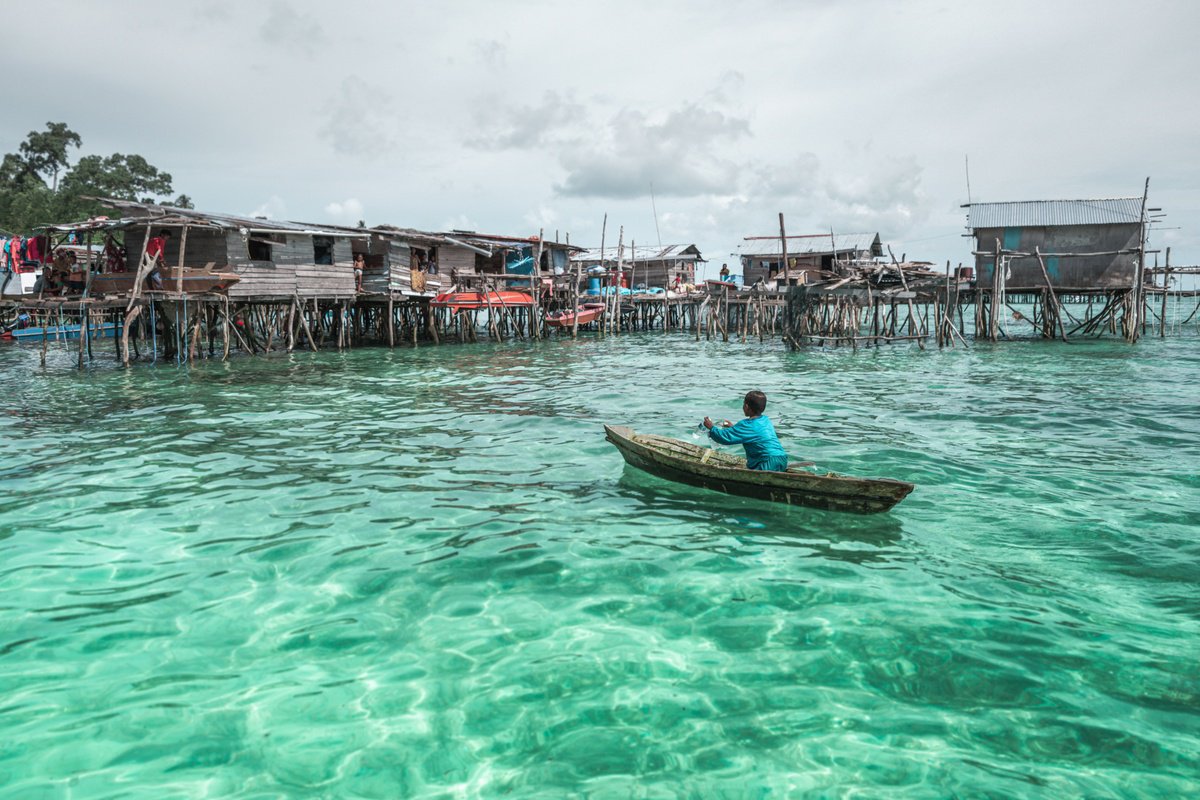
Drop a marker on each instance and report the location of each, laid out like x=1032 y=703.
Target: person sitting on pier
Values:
x=76 y=276
x=156 y=251
x=755 y=433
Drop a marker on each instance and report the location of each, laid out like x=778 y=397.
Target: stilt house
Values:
x=1110 y=230
x=648 y=266
x=272 y=258
x=807 y=254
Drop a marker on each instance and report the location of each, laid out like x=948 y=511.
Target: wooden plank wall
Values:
x=291 y=270
x=204 y=246
x=459 y=259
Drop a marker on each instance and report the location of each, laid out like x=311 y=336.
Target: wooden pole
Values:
x=1140 y=272
x=535 y=321
x=1162 y=317
x=994 y=309
x=391 y=320
x=783 y=249
x=291 y=329
x=911 y=310
x=574 y=299
x=182 y=248
x=1057 y=322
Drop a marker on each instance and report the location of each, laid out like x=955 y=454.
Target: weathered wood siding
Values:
x=459 y=259
x=291 y=270
x=656 y=273
x=1092 y=272
x=756 y=269
x=204 y=246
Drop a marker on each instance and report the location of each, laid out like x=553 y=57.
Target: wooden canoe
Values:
x=684 y=462
x=588 y=312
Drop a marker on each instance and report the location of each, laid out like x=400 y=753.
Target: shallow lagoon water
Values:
x=424 y=573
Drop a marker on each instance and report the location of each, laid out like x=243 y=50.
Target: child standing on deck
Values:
x=755 y=433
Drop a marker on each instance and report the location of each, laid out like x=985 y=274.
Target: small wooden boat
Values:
x=588 y=312
x=57 y=332
x=684 y=462
x=457 y=301
x=195 y=281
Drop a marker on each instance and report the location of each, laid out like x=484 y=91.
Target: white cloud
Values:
x=272 y=208
x=286 y=27
x=734 y=115
x=358 y=119
x=349 y=210
x=461 y=223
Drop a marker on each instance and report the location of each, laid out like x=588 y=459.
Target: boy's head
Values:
x=164 y=233
x=754 y=404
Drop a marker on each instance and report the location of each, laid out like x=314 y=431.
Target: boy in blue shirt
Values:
x=755 y=433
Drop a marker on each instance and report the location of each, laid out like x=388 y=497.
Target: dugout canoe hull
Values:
x=684 y=462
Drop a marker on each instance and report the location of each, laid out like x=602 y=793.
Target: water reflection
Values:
x=848 y=537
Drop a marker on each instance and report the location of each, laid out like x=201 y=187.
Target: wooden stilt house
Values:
x=762 y=257
x=1108 y=232
x=271 y=258
x=647 y=266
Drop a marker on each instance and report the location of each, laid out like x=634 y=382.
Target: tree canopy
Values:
x=32 y=193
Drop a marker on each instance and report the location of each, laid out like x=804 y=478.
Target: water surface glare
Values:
x=407 y=573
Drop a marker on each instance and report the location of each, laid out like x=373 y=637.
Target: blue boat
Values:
x=57 y=332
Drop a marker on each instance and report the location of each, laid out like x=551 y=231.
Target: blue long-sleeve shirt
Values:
x=757 y=435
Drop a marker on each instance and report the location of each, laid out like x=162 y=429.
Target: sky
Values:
x=683 y=122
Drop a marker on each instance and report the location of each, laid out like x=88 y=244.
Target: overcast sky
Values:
x=507 y=117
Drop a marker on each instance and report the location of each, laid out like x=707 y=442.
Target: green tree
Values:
x=32 y=194
x=119 y=176
x=45 y=153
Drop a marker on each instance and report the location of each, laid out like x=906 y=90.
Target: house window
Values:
x=323 y=250
x=260 y=250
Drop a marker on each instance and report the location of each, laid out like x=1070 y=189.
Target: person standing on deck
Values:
x=156 y=251
x=755 y=433
x=360 y=264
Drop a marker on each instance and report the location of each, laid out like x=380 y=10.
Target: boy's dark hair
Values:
x=166 y=234
x=756 y=401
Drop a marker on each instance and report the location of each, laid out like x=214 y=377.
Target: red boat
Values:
x=458 y=301
x=588 y=312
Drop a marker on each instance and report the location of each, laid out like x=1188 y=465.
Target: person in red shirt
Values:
x=156 y=250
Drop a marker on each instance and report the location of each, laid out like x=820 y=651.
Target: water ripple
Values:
x=424 y=573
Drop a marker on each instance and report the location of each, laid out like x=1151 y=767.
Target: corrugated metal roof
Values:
x=152 y=214
x=816 y=244
x=668 y=252
x=1053 y=213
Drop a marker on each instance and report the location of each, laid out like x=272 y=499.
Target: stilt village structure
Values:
x=226 y=283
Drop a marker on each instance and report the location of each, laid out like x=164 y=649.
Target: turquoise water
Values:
x=424 y=573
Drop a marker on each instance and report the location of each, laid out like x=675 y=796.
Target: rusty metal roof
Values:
x=136 y=213
x=811 y=244
x=649 y=254
x=1054 y=213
